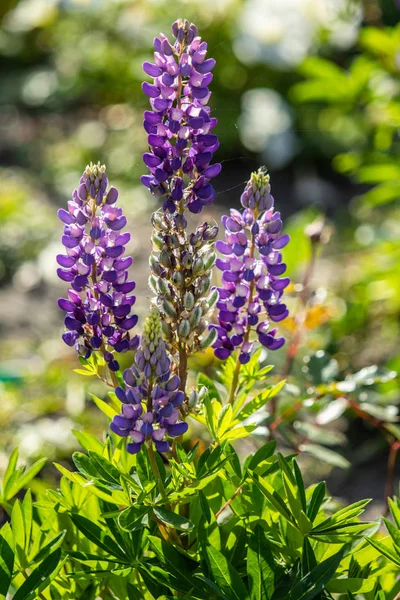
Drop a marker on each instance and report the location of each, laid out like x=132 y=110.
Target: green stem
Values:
x=183 y=368
x=40 y=595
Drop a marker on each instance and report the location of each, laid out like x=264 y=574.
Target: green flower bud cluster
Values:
x=181 y=264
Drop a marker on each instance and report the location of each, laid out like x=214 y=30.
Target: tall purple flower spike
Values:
x=151 y=397
x=181 y=146
x=250 y=298
x=98 y=305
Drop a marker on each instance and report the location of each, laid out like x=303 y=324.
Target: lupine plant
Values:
x=149 y=512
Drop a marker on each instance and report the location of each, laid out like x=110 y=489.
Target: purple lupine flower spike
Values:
x=250 y=298
x=98 y=305
x=151 y=397
x=181 y=146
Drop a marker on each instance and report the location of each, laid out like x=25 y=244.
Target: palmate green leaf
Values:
x=115 y=497
x=259 y=401
x=21 y=477
x=88 y=441
x=155 y=579
x=85 y=372
x=224 y=421
x=178 y=565
x=50 y=547
x=225 y=576
x=236 y=544
x=27 y=518
x=308 y=560
x=98 y=536
x=40 y=578
x=183 y=469
x=204 y=380
x=12 y=463
x=84 y=465
x=353 y=585
x=295 y=493
x=329 y=456
x=272 y=496
x=210 y=461
x=263 y=453
x=212 y=411
x=106 y=470
x=134 y=518
x=205 y=508
x=18 y=529
x=210 y=584
x=88 y=557
x=388 y=552
x=316 y=501
x=315 y=581
x=394 y=533
x=6 y=558
x=342 y=532
x=104 y=407
x=134 y=593
x=342 y=517
x=239 y=432
x=395 y=510
x=209 y=533
x=260 y=566
x=233 y=467
x=172 y=519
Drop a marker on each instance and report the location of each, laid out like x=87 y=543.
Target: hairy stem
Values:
x=183 y=367
x=228 y=502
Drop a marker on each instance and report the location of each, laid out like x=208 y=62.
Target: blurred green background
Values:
x=311 y=89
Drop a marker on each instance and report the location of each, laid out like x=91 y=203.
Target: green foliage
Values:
x=226 y=532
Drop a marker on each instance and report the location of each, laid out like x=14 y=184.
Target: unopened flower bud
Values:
x=163 y=287
x=195 y=316
x=187 y=261
x=178 y=279
x=188 y=300
x=198 y=266
x=193 y=398
x=153 y=284
x=212 y=299
x=169 y=309
x=209 y=261
x=184 y=328
x=158 y=241
x=165 y=259
x=209 y=338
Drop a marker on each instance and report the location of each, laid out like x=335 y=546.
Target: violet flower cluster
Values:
x=152 y=396
x=250 y=298
x=181 y=146
x=98 y=307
